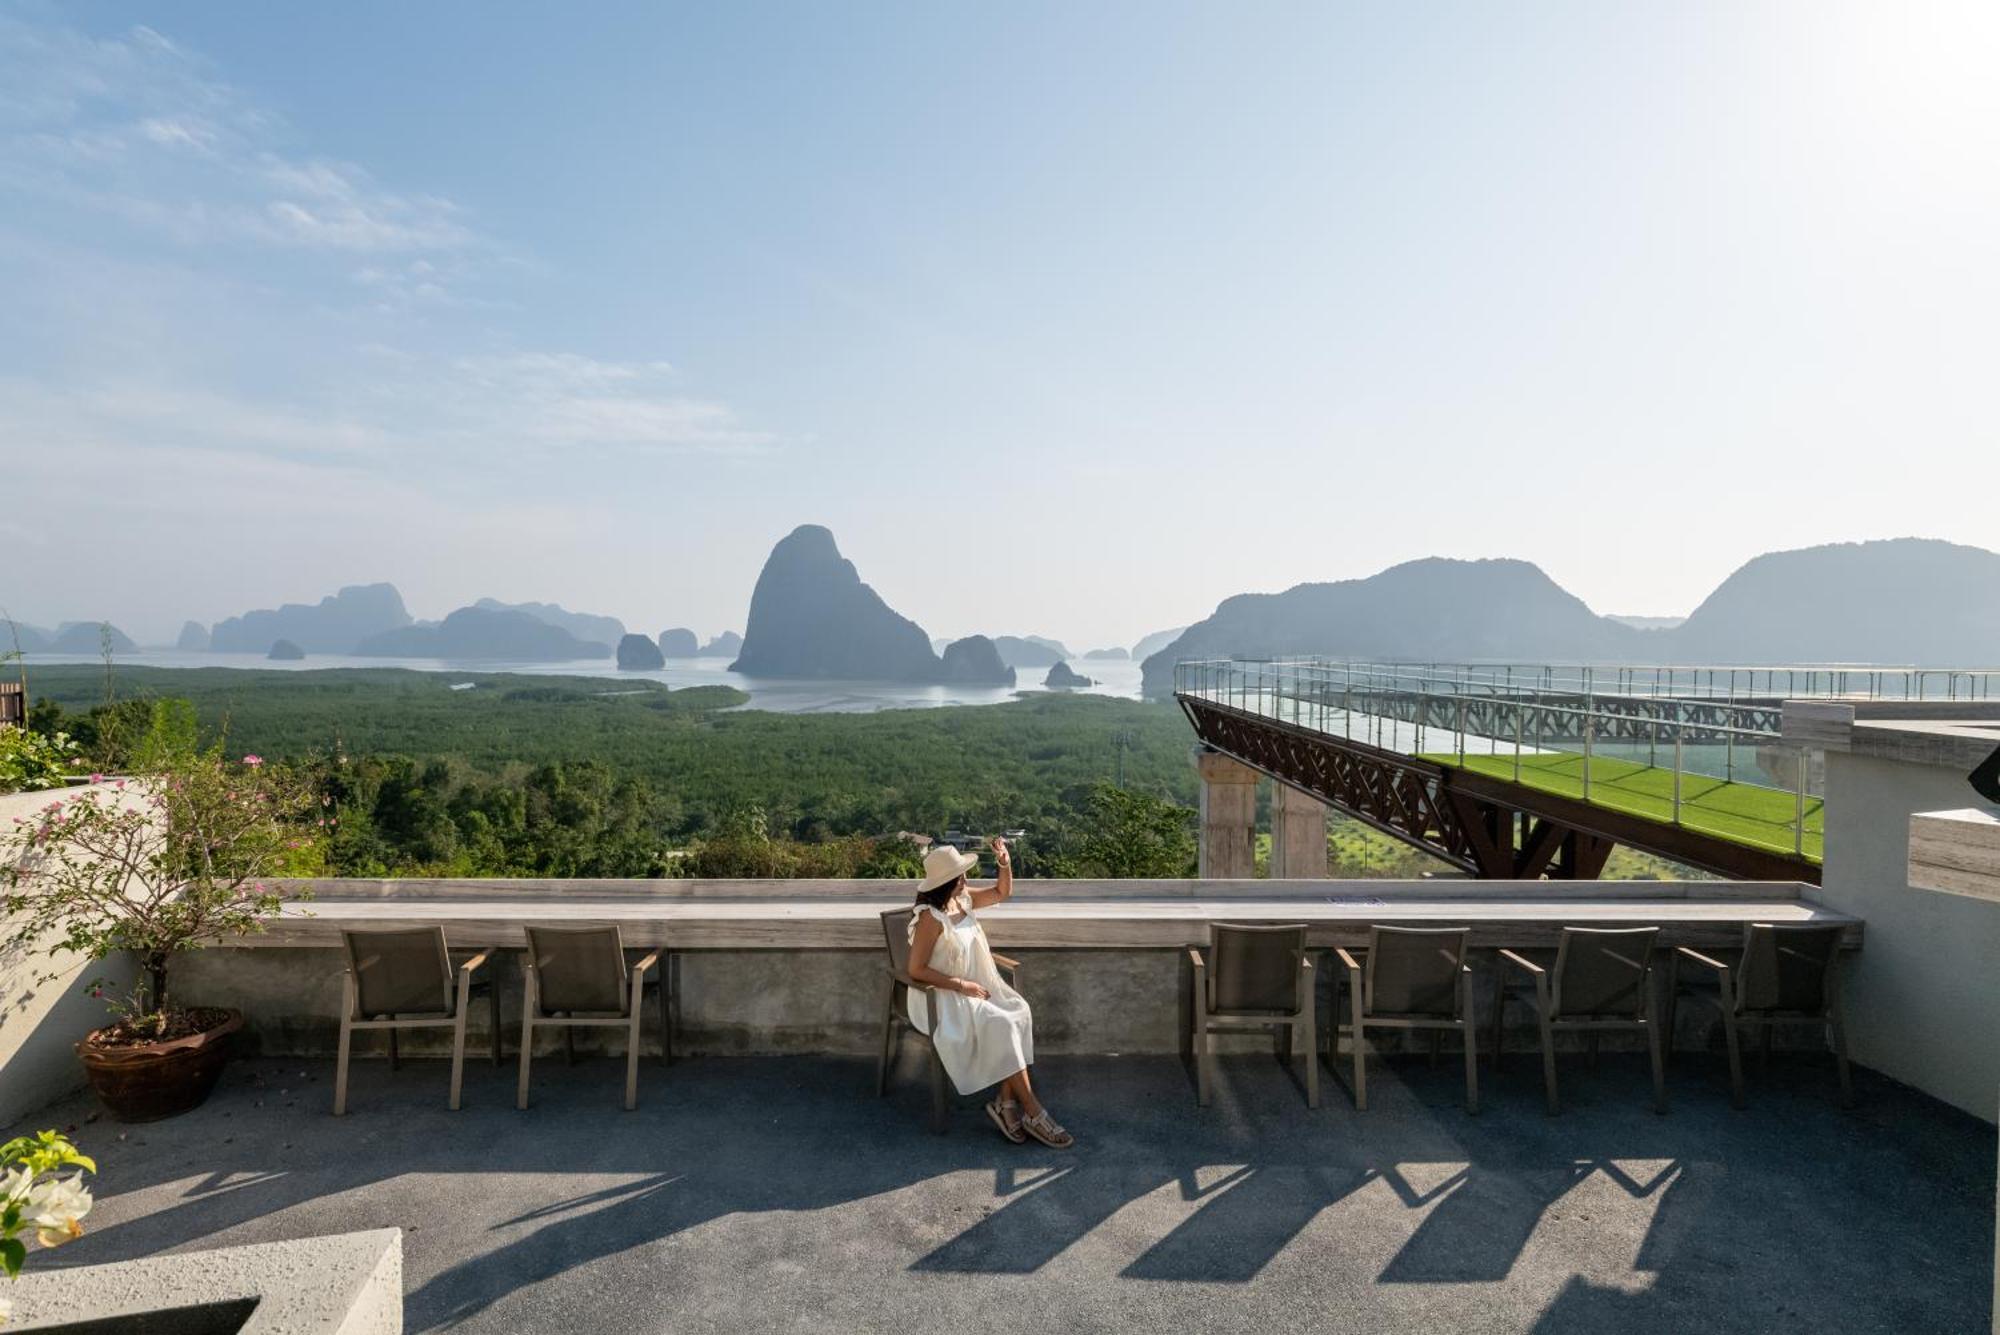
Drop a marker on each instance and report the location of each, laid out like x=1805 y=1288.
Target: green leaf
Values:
x=13 y=1255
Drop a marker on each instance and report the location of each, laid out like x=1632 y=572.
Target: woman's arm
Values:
x=920 y=961
x=1003 y=888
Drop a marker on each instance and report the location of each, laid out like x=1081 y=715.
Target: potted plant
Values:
x=154 y=866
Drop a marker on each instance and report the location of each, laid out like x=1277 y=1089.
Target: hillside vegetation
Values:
x=512 y=774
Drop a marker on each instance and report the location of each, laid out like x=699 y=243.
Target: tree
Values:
x=1118 y=834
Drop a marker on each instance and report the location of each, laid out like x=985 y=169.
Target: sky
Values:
x=1066 y=319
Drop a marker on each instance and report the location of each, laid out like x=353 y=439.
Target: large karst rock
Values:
x=1063 y=677
x=193 y=638
x=812 y=617
x=1905 y=600
x=1432 y=610
x=636 y=653
x=679 y=643
x=335 y=625
x=975 y=661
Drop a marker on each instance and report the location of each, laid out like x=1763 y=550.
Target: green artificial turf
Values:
x=1741 y=812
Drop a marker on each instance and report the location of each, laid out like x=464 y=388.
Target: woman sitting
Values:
x=985 y=1035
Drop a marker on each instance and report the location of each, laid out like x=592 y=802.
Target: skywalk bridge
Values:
x=1528 y=770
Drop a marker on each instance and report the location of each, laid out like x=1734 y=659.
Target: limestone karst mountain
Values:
x=476 y=634
x=636 y=653
x=1063 y=677
x=584 y=625
x=335 y=625
x=812 y=617
x=975 y=661
x=1433 y=609
x=680 y=642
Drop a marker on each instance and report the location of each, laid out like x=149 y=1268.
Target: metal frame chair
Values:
x=1255 y=977
x=408 y=972
x=1597 y=978
x=1414 y=978
x=896 y=1019
x=576 y=977
x=1785 y=973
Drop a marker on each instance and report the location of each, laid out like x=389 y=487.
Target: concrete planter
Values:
x=149 y=1081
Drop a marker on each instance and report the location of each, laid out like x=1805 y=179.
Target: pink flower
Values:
x=253 y=761
x=97 y=778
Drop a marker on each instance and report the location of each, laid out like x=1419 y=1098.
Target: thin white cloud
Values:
x=503 y=410
x=137 y=127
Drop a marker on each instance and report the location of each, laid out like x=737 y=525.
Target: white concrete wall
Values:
x=1923 y=995
x=41 y=1017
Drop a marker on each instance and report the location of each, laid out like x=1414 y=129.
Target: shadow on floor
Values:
x=766 y=1180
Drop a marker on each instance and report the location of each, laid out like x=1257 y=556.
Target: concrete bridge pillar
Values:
x=1228 y=816
x=1298 y=835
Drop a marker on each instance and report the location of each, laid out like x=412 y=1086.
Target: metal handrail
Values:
x=1332 y=696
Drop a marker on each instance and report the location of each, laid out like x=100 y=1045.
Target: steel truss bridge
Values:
x=1519 y=771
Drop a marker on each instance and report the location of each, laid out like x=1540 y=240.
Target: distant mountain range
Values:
x=1903 y=601
x=1152 y=644
x=478 y=633
x=583 y=625
x=1907 y=600
x=71 y=637
x=334 y=625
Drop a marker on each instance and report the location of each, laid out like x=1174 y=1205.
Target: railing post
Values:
x=1799 y=809
x=1518 y=712
x=1461 y=731
x=1589 y=731
x=1677 y=776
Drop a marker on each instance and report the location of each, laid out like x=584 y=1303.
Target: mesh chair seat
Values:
x=579 y=977
x=1254 y=976
x=1596 y=979
x=1406 y=978
x=1782 y=973
x=404 y=978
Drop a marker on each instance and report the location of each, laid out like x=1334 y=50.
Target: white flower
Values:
x=15 y=1183
x=55 y=1210
x=6 y=1310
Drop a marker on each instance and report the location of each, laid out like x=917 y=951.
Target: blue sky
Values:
x=1067 y=319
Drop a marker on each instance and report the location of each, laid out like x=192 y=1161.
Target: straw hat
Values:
x=943 y=865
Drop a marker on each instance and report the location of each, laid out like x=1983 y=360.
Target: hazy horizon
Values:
x=1068 y=323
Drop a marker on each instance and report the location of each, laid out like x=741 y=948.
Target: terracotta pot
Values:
x=148 y=1081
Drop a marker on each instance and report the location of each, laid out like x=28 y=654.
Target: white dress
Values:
x=981 y=1042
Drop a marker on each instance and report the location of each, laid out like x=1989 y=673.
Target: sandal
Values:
x=1006 y=1115
x=1045 y=1129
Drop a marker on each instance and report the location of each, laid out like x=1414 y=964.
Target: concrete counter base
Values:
x=819 y=1003
x=345 y=1284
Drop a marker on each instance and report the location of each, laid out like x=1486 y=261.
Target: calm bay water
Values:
x=1120 y=679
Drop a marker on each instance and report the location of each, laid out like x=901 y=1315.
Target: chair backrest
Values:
x=403 y=971
x=1252 y=969
x=1786 y=966
x=1415 y=970
x=1603 y=970
x=896 y=936
x=579 y=969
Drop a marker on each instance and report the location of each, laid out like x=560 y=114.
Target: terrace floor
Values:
x=753 y=1194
